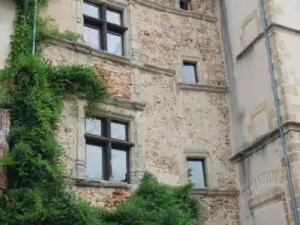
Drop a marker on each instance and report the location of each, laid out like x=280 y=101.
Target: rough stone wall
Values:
x=177 y=36
x=219 y=210
x=175 y=121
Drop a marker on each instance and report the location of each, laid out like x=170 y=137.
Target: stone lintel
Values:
x=177 y=11
x=102 y=184
x=259 y=143
x=260 y=36
x=120 y=103
x=202 y=87
x=214 y=192
x=87 y=50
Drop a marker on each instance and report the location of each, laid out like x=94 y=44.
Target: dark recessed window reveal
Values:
x=103 y=28
x=184 y=4
x=107 y=149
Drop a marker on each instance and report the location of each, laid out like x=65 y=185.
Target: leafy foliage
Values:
x=38 y=192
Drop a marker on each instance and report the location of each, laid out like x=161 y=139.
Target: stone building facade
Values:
x=225 y=116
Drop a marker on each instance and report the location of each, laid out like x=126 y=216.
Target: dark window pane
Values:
x=189 y=71
x=197 y=173
x=184 y=4
x=113 y=17
x=92 y=37
x=93 y=126
x=119 y=165
x=118 y=131
x=90 y=10
x=114 y=43
x=94 y=162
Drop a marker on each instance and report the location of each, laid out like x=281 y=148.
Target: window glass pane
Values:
x=118 y=131
x=189 y=73
x=90 y=10
x=197 y=174
x=114 y=43
x=92 y=37
x=94 y=162
x=113 y=17
x=93 y=126
x=119 y=165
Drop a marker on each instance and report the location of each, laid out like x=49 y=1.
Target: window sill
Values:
x=86 y=49
x=202 y=87
x=102 y=184
x=214 y=192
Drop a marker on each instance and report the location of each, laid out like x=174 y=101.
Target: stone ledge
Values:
x=248 y=149
x=102 y=184
x=202 y=87
x=87 y=50
x=176 y=11
x=214 y=192
x=274 y=26
x=121 y=103
x=275 y=194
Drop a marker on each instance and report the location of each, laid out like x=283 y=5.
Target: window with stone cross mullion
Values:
x=107 y=149
x=103 y=27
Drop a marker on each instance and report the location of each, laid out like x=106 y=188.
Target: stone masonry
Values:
x=170 y=120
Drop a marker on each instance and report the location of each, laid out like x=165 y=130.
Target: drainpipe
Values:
x=278 y=115
x=34 y=27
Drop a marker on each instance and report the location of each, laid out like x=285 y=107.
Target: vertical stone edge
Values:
x=4 y=129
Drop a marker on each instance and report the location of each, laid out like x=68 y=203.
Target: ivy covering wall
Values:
x=38 y=191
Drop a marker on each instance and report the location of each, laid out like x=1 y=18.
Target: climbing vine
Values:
x=38 y=191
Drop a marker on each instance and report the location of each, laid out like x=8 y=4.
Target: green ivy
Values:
x=38 y=191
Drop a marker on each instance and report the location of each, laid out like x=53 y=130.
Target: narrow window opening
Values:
x=196 y=172
x=190 y=72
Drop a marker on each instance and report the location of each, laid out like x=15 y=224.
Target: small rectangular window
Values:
x=190 y=73
x=184 y=4
x=103 y=28
x=107 y=149
x=196 y=172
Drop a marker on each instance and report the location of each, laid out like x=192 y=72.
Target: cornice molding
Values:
x=120 y=103
x=176 y=11
x=248 y=149
x=260 y=36
x=87 y=50
x=202 y=87
x=215 y=192
x=102 y=184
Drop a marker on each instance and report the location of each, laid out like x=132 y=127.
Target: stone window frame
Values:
x=122 y=111
x=128 y=16
x=105 y=139
x=104 y=26
x=192 y=56
x=196 y=153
